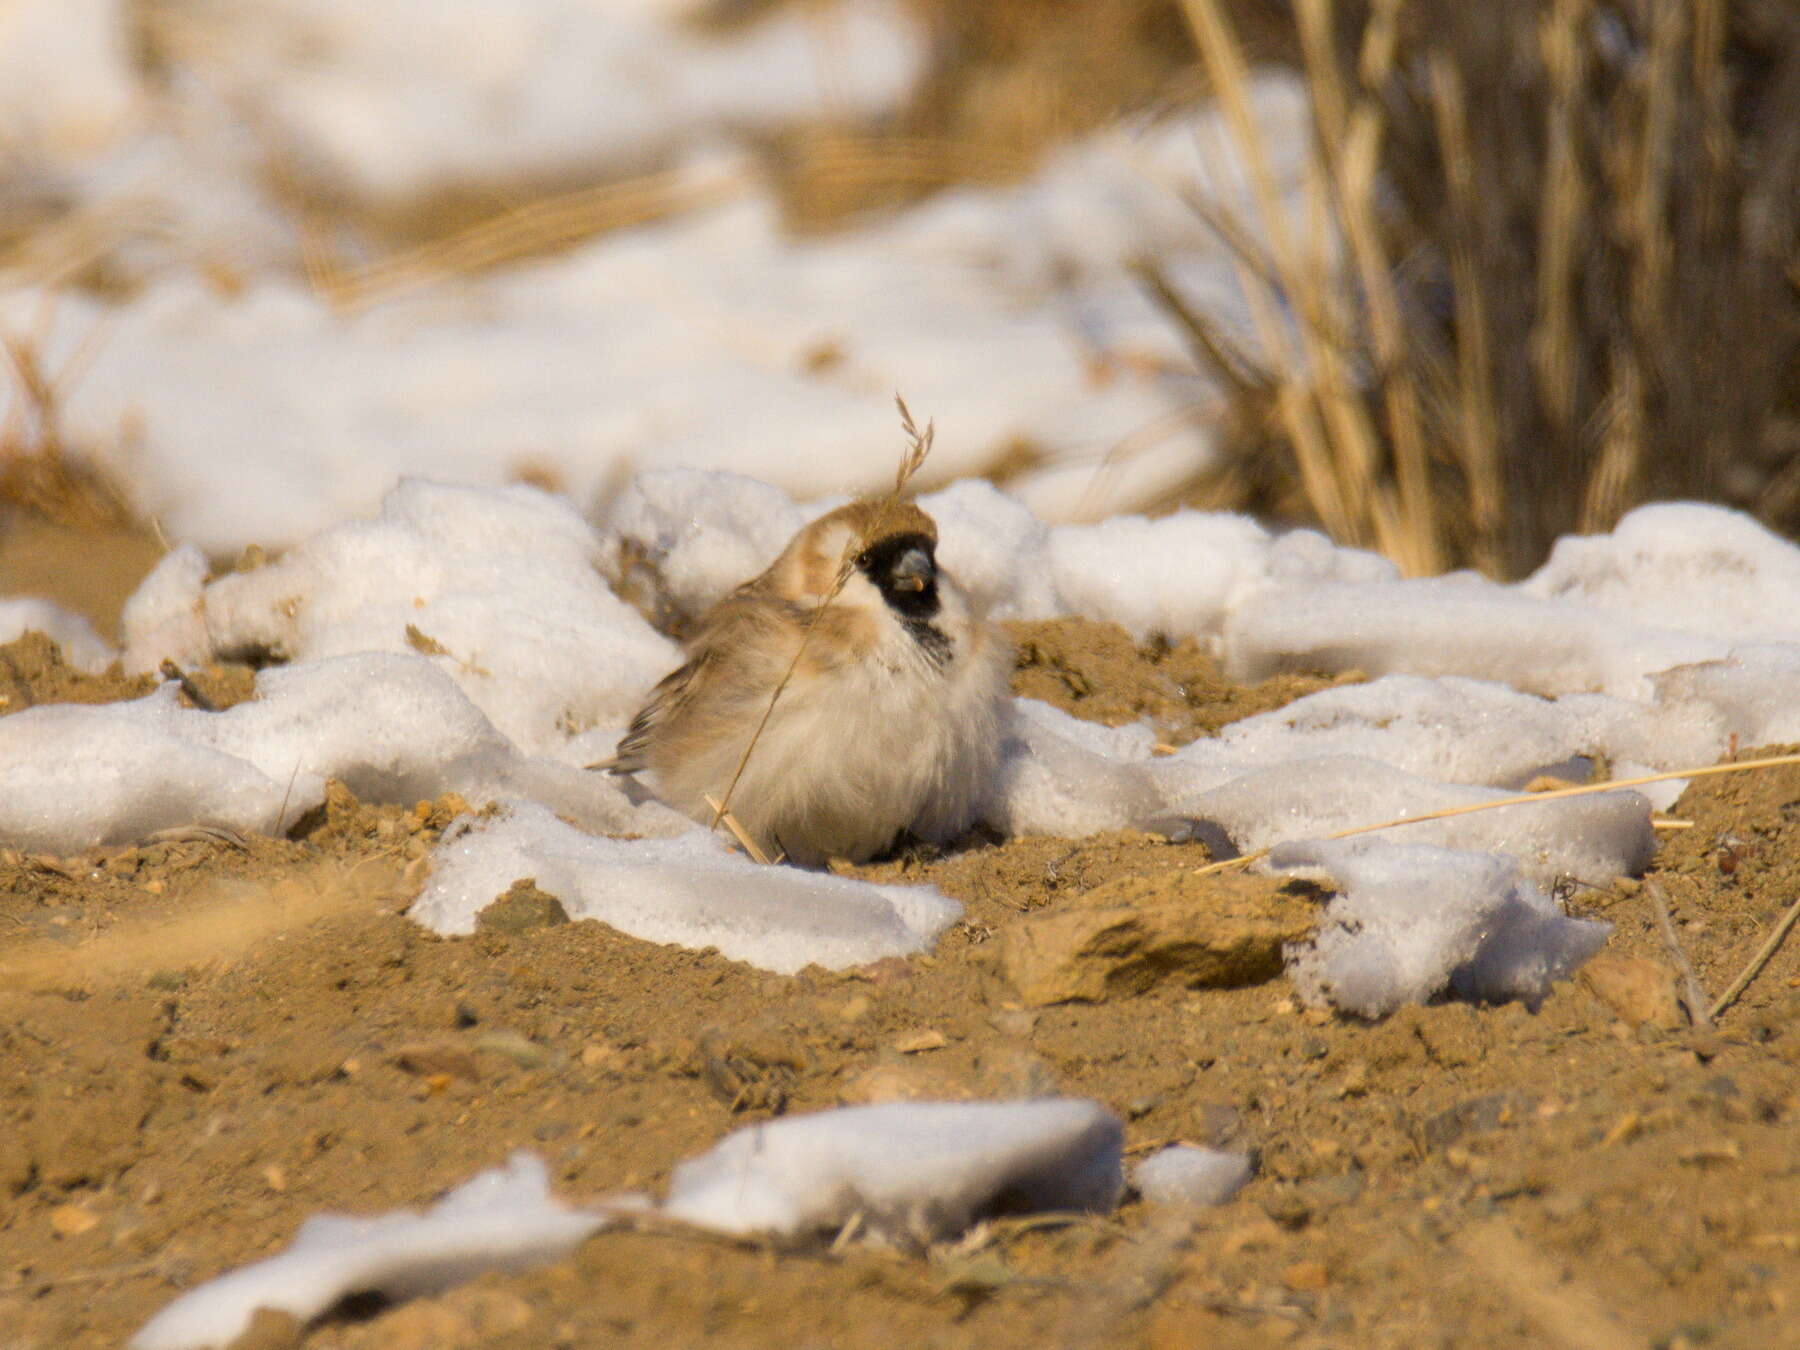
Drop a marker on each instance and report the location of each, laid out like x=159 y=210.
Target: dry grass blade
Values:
x=1411 y=538
x=918 y=447
x=738 y=832
x=1522 y=799
x=1754 y=966
x=1566 y=286
x=1693 y=995
x=544 y=226
x=1320 y=399
x=37 y=471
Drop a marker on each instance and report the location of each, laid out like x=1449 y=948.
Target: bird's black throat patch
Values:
x=878 y=562
x=934 y=640
x=915 y=604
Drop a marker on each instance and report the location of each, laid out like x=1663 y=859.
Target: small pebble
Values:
x=1186 y=1175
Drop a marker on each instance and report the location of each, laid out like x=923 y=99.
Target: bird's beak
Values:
x=913 y=570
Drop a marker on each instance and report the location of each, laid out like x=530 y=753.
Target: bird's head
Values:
x=891 y=545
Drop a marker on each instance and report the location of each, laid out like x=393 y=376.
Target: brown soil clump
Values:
x=1096 y=672
x=32 y=671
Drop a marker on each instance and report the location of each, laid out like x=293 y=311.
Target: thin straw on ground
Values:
x=1522 y=799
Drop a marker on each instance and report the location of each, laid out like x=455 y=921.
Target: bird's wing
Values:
x=730 y=651
x=674 y=689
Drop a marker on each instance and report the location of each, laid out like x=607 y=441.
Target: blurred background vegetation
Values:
x=1572 y=230
x=1548 y=267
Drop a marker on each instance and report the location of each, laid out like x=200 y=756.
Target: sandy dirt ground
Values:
x=203 y=1042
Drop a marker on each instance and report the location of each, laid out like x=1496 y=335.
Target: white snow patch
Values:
x=708 y=340
x=74 y=776
x=1411 y=921
x=1453 y=625
x=67 y=89
x=691 y=344
x=1061 y=775
x=1703 y=569
x=406 y=98
x=1185 y=574
x=1752 y=694
x=497 y=586
x=687 y=890
x=1451 y=729
x=1595 y=838
x=912 y=1172
x=390 y=727
x=1174 y=575
x=501 y=1219
x=1184 y=1174
x=165 y=617
x=685 y=538
x=996 y=548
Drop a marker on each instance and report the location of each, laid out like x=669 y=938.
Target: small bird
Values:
x=892 y=712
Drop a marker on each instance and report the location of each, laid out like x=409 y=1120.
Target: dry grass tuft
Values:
x=1549 y=268
x=546 y=225
x=37 y=472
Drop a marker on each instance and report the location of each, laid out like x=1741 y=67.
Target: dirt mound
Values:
x=32 y=671
x=1095 y=671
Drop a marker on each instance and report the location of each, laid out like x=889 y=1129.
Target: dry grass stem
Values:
x=1692 y=994
x=37 y=471
x=1567 y=283
x=1754 y=966
x=738 y=832
x=1522 y=799
x=543 y=226
x=918 y=448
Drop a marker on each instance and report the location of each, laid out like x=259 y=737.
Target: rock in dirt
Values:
x=999 y=1071
x=1130 y=935
x=1186 y=1175
x=1474 y=1115
x=1641 y=991
x=427 y=1059
x=523 y=909
x=72 y=1220
x=271 y=1330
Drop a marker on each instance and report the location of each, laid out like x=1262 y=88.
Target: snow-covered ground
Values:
x=906 y=1173
x=462 y=640
x=240 y=402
